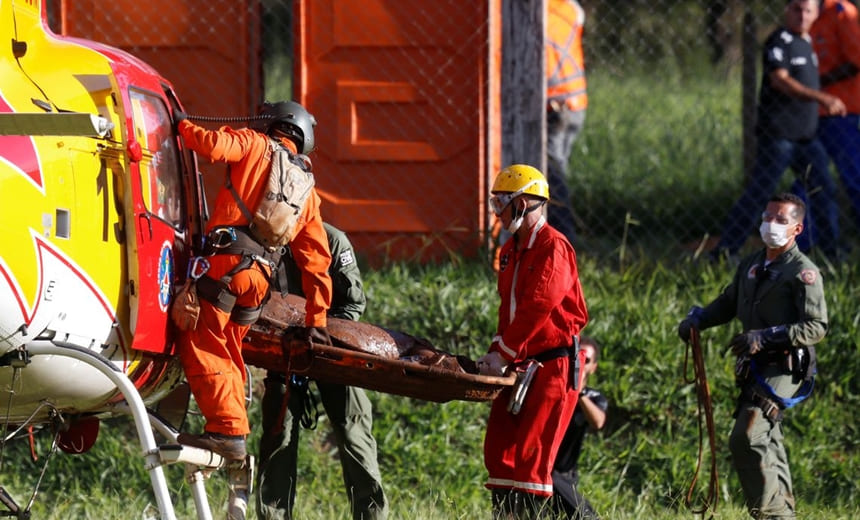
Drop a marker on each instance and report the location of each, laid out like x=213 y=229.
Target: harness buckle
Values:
x=222 y=237
x=198 y=267
x=264 y=261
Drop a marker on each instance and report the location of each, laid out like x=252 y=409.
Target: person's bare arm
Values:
x=593 y=414
x=789 y=86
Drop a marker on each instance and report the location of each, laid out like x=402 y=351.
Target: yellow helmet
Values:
x=516 y=180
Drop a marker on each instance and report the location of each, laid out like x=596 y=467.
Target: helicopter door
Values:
x=159 y=223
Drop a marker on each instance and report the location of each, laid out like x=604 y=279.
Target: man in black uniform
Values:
x=778 y=296
x=589 y=415
x=785 y=132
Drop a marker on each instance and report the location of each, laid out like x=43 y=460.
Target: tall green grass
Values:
x=431 y=454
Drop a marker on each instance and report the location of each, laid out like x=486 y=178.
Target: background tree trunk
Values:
x=523 y=89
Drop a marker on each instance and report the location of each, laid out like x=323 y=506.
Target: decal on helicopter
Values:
x=165 y=276
x=19 y=152
x=56 y=278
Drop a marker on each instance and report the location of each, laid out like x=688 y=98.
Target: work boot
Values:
x=231 y=447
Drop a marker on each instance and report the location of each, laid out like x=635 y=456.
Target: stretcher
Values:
x=365 y=356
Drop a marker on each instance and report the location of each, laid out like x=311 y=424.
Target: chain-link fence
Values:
x=668 y=142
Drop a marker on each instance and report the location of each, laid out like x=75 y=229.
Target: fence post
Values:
x=523 y=89
x=748 y=92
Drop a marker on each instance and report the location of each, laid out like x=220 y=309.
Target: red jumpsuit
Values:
x=212 y=353
x=542 y=307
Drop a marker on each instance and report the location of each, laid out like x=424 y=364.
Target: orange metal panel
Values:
x=401 y=94
x=210 y=51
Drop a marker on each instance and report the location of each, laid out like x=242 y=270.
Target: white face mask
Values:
x=516 y=223
x=774 y=235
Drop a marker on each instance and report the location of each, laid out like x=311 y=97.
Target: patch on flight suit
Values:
x=752 y=271
x=808 y=276
x=346 y=258
x=504 y=261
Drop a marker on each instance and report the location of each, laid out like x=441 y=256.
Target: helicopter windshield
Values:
x=160 y=167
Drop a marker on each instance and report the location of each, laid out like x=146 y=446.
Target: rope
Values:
x=703 y=393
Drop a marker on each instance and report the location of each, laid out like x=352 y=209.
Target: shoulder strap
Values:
x=242 y=207
x=273 y=144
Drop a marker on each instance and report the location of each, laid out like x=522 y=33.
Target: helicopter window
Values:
x=160 y=167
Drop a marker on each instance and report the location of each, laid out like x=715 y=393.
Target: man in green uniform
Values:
x=778 y=296
x=348 y=410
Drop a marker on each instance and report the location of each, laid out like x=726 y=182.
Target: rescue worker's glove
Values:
x=492 y=364
x=691 y=321
x=750 y=342
x=318 y=335
x=754 y=341
x=178 y=117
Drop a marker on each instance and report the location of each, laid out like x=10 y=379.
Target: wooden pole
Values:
x=523 y=83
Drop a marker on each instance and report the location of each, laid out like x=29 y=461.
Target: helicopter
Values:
x=99 y=204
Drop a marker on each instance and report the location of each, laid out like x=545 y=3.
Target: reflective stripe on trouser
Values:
x=520 y=450
x=211 y=354
x=350 y=415
x=759 y=456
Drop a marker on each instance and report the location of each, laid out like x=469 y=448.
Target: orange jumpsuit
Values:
x=836 y=39
x=211 y=354
x=542 y=307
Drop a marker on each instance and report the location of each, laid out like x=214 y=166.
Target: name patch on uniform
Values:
x=808 y=276
x=346 y=258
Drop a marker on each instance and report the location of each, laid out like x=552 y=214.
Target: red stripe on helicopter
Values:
x=20 y=152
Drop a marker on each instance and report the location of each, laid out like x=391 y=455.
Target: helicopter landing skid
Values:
x=199 y=463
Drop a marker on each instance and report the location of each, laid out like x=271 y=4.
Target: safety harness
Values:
x=235 y=240
x=761 y=394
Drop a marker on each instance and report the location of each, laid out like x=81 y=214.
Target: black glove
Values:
x=753 y=341
x=318 y=335
x=688 y=323
x=178 y=117
x=750 y=342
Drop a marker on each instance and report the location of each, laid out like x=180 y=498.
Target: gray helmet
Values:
x=289 y=118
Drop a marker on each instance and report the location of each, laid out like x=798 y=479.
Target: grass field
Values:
x=430 y=454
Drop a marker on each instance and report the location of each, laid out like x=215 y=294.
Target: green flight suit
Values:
x=787 y=292
x=348 y=410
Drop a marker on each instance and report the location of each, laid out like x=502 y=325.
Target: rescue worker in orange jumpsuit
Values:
x=211 y=353
x=566 y=104
x=836 y=41
x=541 y=314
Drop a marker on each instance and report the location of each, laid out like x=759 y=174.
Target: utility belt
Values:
x=771 y=409
x=236 y=240
x=526 y=371
x=800 y=362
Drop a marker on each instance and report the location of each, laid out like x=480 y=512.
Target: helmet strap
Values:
x=529 y=209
